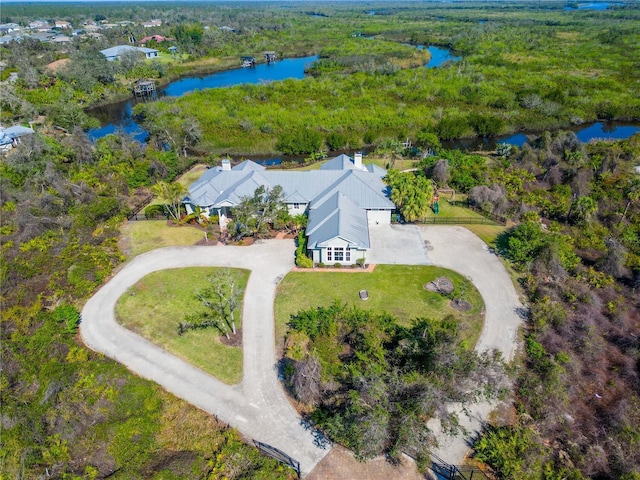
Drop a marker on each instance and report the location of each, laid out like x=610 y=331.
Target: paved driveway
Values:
x=396 y=244
x=257 y=407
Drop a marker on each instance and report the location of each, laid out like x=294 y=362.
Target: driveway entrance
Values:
x=397 y=244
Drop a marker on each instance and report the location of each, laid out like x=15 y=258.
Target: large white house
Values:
x=341 y=199
x=114 y=53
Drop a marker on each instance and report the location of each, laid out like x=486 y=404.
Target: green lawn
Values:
x=397 y=289
x=156 y=304
x=143 y=236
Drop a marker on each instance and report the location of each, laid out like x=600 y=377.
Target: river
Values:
x=118 y=115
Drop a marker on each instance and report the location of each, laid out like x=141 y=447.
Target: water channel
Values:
x=118 y=116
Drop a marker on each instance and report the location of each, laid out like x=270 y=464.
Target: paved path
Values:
x=458 y=249
x=257 y=407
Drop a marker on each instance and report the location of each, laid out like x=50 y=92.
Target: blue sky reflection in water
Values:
x=118 y=116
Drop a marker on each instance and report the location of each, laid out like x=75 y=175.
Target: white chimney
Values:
x=226 y=165
x=357 y=160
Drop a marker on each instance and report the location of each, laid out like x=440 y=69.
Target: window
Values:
x=338 y=254
x=329 y=254
x=347 y=256
x=296 y=206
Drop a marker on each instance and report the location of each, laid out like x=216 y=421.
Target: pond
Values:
x=118 y=115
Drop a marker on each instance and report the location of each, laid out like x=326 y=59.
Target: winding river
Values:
x=118 y=116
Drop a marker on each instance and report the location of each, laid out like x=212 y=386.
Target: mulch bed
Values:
x=234 y=340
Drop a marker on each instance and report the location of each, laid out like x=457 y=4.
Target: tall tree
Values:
x=221 y=300
x=254 y=214
x=171 y=194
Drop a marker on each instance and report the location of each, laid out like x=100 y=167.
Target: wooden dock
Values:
x=144 y=88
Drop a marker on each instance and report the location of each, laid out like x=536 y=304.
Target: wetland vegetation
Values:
x=574 y=213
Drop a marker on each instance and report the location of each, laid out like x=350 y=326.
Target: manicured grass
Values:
x=143 y=236
x=488 y=233
x=396 y=289
x=156 y=304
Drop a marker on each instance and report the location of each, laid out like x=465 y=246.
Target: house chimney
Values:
x=357 y=160
x=226 y=165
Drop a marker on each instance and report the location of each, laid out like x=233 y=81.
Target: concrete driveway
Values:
x=396 y=245
x=257 y=407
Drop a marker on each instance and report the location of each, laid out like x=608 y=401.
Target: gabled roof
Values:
x=249 y=165
x=17 y=131
x=338 y=217
x=341 y=162
x=120 y=49
x=362 y=188
x=227 y=188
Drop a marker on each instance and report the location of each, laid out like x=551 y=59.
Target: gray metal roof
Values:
x=249 y=165
x=313 y=186
x=338 y=198
x=120 y=49
x=338 y=217
x=341 y=162
x=18 y=131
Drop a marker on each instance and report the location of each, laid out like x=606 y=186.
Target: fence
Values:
x=445 y=471
x=460 y=220
x=278 y=455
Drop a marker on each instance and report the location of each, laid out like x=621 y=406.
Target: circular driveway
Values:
x=258 y=407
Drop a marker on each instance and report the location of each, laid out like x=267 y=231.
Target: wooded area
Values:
x=574 y=207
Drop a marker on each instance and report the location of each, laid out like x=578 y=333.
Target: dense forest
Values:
x=574 y=211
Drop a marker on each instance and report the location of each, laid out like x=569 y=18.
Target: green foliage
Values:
x=386 y=378
x=411 y=192
x=155 y=211
x=254 y=215
x=298 y=141
x=69 y=316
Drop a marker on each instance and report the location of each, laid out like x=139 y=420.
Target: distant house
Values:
x=61 y=39
x=341 y=199
x=152 y=23
x=10 y=137
x=156 y=38
x=62 y=24
x=39 y=25
x=9 y=28
x=114 y=53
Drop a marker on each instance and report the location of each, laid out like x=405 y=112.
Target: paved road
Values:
x=257 y=407
x=458 y=249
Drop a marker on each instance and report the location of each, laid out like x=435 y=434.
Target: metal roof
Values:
x=338 y=217
x=120 y=49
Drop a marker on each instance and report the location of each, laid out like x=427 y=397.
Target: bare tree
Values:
x=221 y=300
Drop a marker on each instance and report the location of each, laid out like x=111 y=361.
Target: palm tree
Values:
x=171 y=194
x=584 y=208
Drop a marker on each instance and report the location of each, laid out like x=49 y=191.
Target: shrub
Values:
x=336 y=141
x=320 y=265
x=337 y=265
x=360 y=262
x=154 y=211
x=303 y=261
